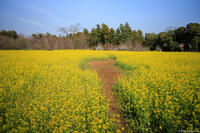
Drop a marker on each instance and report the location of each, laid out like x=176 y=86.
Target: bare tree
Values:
x=63 y=30
x=72 y=29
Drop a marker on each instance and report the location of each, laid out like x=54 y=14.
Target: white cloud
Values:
x=42 y=11
x=47 y=13
x=32 y=22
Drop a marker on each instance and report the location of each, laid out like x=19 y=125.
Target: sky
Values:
x=41 y=16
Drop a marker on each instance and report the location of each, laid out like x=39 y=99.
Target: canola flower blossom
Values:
x=46 y=91
x=53 y=91
x=160 y=91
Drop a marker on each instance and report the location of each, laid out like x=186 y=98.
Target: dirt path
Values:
x=108 y=72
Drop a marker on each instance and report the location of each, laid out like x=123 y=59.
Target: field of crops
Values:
x=53 y=91
x=160 y=92
x=46 y=91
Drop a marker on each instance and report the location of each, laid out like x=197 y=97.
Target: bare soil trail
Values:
x=109 y=73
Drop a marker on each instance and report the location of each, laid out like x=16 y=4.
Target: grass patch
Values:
x=84 y=63
x=112 y=57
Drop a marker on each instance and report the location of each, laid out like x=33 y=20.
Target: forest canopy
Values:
x=179 y=39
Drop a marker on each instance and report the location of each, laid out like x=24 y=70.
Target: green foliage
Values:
x=192 y=32
x=195 y=43
x=137 y=36
x=40 y=35
x=112 y=36
x=93 y=39
x=118 y=36
x=48 y=35
x=105 y=33
x=11 y=33
x=125 y=31
x=183 y=38
x=166 y=41
x=140 y=35
x=85 y=31
x=11 y=40
x=180 y=34
x=151 y=40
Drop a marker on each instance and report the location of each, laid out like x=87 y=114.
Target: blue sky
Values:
x=41 y=16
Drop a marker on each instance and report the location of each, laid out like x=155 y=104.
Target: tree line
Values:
x=74 y=37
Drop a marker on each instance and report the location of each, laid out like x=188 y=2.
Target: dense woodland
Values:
x=74 y=37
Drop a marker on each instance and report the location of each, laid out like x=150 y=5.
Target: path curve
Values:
x=109 y=73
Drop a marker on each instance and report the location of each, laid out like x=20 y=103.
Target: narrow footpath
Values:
x=108 y=73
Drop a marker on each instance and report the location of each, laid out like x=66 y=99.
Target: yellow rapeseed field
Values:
x=46 y=91
x=52 y=91
x=160 y=91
